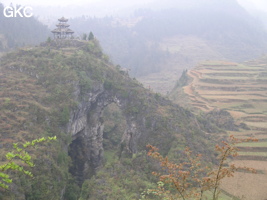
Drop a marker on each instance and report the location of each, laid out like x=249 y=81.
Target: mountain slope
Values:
x=158 y=42
x=241 y=90
x=196 y=31
x=62 y=88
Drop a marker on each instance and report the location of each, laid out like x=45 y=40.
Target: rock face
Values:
x=62 y=88
x=86 y=128
x=144 y=125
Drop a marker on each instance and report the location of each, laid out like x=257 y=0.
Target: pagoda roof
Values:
x=62 y=31
x=69 y=31
x=57 y=30
x=63 y=19
x=62 y=25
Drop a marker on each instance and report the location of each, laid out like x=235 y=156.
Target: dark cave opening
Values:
x=80 y=167
x=97 y=143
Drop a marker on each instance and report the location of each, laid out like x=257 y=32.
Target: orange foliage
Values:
x=190 y=179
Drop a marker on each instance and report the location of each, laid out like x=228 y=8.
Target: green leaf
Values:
x=15 y=145
x=3 y=175
x=7 y=180
x=10 y=155
x=23 y=156
x=2 y=185
x=26 y=144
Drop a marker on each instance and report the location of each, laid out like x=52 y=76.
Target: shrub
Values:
x=190 y=179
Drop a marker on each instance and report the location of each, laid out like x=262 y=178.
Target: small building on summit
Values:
x=62 y=31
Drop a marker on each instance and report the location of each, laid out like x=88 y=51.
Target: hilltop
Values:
x=70 y=89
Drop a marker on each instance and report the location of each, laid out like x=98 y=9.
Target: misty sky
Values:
x=260 y=4
x=72 y=2
x=105 y=6
x=254 y=4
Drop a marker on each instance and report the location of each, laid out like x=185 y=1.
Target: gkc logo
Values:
x=14 y=11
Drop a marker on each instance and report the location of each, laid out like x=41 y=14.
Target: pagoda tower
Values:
x=62 y=31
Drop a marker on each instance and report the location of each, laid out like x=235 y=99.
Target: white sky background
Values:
x=98 y=8
x=259 y=4
x=73 y=2
x=254 y=4
x=104 y=6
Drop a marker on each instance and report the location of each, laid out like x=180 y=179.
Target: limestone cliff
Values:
x=62 y=88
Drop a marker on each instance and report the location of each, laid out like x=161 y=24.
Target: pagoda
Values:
x=62 y=31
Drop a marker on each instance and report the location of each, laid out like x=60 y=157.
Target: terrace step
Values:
x=245 y=157
x=253 y=149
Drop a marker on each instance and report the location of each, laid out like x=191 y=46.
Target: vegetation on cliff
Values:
x=44 y=90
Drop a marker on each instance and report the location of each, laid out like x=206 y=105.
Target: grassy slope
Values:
x=36 y=98
x=35 y=90
x=241 y=90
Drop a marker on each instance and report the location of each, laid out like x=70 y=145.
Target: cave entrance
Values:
x=81 y=167
x=99 y=141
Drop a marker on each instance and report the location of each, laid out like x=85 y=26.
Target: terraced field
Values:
x=240 y=89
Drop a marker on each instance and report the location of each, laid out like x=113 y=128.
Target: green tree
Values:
x=191 y=179
x=84 y=36
x=17 y=159
x=91 y=36
x=49 y=40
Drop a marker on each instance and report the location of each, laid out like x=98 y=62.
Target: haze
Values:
x=102 y=8
x=111 y=3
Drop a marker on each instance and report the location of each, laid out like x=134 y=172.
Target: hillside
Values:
x=123 y=45
x=161 y=40
x=184 y=52
x=241 y=90
x=193 y=32
x=71 y=90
